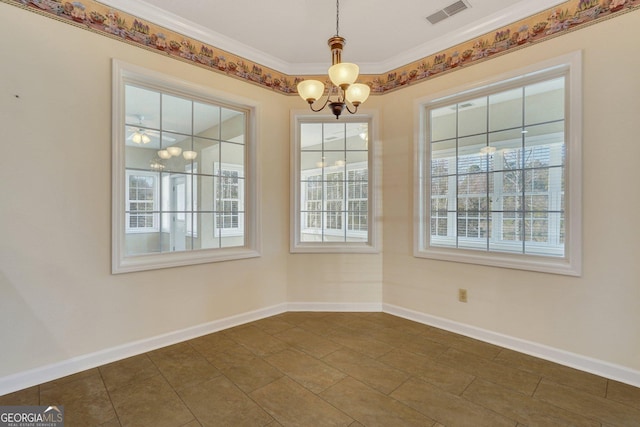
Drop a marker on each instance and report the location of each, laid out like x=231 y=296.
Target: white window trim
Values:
x=373 y=244
x=122 y=73
x=571 y=263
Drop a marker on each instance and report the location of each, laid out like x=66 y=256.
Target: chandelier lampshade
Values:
x=311 y=90
x=343 y=74
x=357 y=93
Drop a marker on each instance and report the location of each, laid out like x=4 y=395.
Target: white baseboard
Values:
x=22 y=380
x=335 y=306
x=583 y=363
x=74 y=365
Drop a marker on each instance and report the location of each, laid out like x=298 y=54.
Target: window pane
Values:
x=335 y=160
x=472 y=230
x=142 y=107
x=357 y=159
x=472 y=117
x=505 y=110
x=443 y=123
x=357 y=136
x=311 y=160
x=206 y=193
x=206 y=120
x=334 y=136
x=233 y=126
x=545 y=145
x=142 y=136
x=177 y=114
x=504 y=142
x=235 y=239
x=544 y=102
x=470 y=158
x=207 y=238
x=440 y=187
x=207 y=155
x=174 y=146
x=311 y=136
x=141 y=157
x=232 y=154
x=443 y=158
x=142 y=243
x=508 y=232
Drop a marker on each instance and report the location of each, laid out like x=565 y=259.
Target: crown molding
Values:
x=173 y=22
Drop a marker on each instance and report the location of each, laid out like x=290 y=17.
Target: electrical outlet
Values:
x=462 y=295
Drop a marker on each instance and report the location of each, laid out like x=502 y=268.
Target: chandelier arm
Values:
x=349 y=109
x=321 y=108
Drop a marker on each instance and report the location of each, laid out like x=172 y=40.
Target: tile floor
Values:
x=342 y=369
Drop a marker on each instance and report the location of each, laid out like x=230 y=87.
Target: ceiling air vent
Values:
x=448 y=11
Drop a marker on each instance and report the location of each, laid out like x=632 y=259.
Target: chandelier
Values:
x=342 y=75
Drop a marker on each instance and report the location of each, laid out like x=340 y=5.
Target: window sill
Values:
x=553 y=265
x=333 y=248
x=179 y=259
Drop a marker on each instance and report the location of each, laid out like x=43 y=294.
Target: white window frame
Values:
x=571 y=262
x=374 y=231
x=123 y=74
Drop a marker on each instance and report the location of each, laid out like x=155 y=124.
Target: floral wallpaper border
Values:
x=96 y=17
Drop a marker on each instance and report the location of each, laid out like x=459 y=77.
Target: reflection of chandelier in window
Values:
x=156 y=164
x=140 y=137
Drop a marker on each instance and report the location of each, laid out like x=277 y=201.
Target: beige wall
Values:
x=595 y=315
x=59 y=300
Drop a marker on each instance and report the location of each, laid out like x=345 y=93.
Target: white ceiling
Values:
x=290 y=36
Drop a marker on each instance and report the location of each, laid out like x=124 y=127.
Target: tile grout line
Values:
x=109 y=395
x=172 y=387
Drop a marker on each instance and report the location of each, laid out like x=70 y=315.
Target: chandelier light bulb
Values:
x=164 y=154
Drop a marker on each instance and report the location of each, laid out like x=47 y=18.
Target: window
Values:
x=502 y=171
x=229 y=197
x=142 y=201
x=334 y=202
x=182 y=159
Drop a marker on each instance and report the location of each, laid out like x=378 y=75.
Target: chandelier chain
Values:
x=337 y=17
